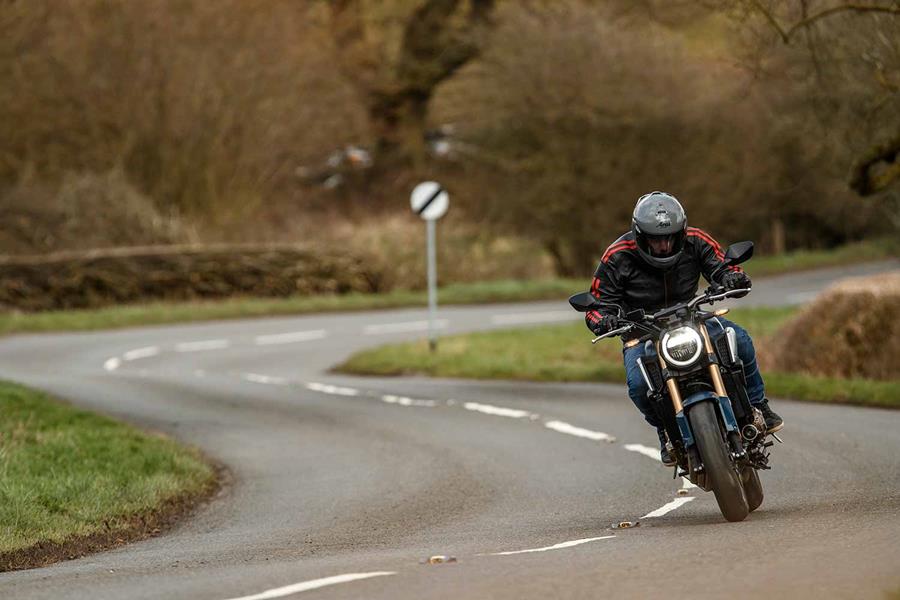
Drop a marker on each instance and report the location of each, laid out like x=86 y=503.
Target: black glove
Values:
x=607 y=323
x=736 y=280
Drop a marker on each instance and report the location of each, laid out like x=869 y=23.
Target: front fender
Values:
x=725 y=411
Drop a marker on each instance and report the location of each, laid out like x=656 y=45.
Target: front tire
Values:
x=720 y=471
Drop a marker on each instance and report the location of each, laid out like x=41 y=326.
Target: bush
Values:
x=851 y=330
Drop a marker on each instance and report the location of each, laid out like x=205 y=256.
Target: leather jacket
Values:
x=624 y=280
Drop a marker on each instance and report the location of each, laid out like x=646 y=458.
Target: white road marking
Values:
x=498 y=411
x=645 y=450
x=289 y=338
x=668 y=507
x=202 y=345
x=686 y=485
x=561 y=427
x=547 y=548
x=112 y=364
x=402 y=327
x=141 y=353
x=654 y=454
x=331 y=389
x=314 y=584
x=267 y=379
x=534 y=317
x=404 y=401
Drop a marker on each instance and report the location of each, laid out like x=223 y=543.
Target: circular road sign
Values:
x=429 y=200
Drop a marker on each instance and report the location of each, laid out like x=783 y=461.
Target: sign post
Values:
x=430 y=201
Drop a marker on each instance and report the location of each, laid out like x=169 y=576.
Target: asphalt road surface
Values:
x=342 y=487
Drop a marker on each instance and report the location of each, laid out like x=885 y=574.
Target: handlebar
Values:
x=709 y=296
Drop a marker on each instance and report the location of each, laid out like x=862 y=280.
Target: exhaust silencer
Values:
x=749 y=432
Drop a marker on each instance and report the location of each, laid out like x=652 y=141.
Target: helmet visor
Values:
x=662 y=246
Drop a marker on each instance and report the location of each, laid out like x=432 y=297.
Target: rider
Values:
x=656 y=265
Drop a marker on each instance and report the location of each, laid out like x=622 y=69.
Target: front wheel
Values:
x=724 y=479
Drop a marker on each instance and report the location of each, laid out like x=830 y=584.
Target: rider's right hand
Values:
x=607 y=323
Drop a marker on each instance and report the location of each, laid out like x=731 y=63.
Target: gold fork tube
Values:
x=674 y=392
x=714 y=371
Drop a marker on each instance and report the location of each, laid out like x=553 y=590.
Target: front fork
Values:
x=687 y=448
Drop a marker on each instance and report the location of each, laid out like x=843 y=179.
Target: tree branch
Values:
x=786 y=33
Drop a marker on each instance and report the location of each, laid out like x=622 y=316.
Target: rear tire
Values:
x=723 y=477
x=752 y=488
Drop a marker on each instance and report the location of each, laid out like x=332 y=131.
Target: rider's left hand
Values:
x=736 y=280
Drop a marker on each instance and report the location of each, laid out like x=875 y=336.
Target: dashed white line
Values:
x=499 y=411
x=332 y=389
x=534 y=317
x=290 y=337
x=553 y=547
x=202 y=345
x=645 y=450
x=404 y=401
x=112 y=364
x=561 y=427
x=668 y=507
x=654 y=454
x=266 y=379
x=402 y=327
x=314 y=584
x=137 y=353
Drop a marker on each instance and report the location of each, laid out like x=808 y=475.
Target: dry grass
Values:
x=851 y=330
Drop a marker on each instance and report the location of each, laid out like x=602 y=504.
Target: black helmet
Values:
x=659 y=215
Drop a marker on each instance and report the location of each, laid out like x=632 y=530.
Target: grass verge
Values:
x=564 y=353
x=463 y=293
x=73 y=482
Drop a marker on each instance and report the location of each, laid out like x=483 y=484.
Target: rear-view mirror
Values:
x=584 y=302
x=738 y=252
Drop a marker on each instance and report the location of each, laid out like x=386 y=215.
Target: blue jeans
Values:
x=637 y=387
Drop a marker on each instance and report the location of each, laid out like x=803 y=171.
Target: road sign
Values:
x=429 y=200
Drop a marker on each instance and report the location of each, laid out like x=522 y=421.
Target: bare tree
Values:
x=396 y=78
x=852 y=55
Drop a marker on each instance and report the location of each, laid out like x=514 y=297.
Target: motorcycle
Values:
x=697 y=388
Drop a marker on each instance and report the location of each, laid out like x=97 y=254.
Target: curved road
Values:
x=344 y=486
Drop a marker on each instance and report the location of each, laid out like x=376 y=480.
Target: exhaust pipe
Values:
x=749 y=432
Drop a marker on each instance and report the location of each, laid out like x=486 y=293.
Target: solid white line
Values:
x=668 y=507
x=112 y=364
x=645 y=450
x=498 y=411
x=331 y=389
x=554 y=547
x=257 y=378
x=289 y=338
x=535 y=317
x=404 y=401
x=141 y=353
x=402 y=327
x=201 y=345
x=313 y=585
x=568 y=429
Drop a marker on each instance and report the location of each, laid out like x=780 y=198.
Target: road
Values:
x=343 y=486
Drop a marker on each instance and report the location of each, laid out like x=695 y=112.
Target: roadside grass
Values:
x=68 y=474
x=461 y=293
x=564 y=353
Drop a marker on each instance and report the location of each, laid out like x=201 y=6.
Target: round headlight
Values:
x=682 y=346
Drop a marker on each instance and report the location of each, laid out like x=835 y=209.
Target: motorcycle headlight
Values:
x=681 y=346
